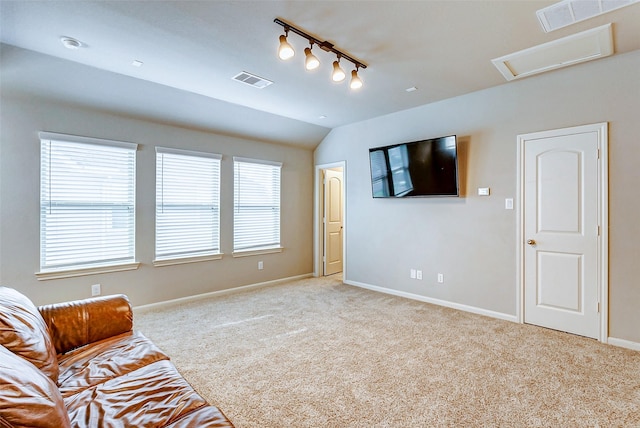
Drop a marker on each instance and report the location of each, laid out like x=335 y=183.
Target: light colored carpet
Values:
x=318 y=353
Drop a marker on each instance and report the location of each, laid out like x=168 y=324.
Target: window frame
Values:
x=128 y=262
x=196 y=255
x=257 y=249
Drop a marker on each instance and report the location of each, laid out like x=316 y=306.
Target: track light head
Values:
x=285 y=51
x=338 y=73
x=310 y=62
x=356 y=82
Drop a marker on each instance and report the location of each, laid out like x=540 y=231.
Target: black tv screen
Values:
x=419 y=168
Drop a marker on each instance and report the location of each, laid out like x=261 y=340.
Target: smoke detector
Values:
x=71 y=43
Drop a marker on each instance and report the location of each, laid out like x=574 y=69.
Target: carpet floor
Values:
x=319 y=353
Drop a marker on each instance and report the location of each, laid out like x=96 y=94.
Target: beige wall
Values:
x=22 y=118
x=472 y=239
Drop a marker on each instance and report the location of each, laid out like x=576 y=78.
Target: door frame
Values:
x=318 y=213
x=603 y=218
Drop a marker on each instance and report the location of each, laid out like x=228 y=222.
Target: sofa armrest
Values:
x=78 y=323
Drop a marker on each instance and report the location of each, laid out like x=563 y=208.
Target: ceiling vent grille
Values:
x=569 y=12
x=252 y=80
x=586 y=46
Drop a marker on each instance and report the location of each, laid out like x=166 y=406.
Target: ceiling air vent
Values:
x=569 y=12
x=586 y=46
x=252 y=80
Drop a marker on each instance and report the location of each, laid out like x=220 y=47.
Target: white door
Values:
x=333 y=221
x=561 y=229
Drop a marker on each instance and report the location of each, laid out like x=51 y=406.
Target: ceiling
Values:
x=191 y=50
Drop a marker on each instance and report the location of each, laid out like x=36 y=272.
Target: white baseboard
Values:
x=151 y=306
x=623 y=343
x=453 y=305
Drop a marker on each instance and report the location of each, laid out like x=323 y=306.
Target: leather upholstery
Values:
x=24 y=332
x=28 y=398
x=153 y=394
x=88 y=366
x=77 y=323
x=109 y=375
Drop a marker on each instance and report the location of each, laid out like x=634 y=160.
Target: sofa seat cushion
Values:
x=24 y=332
x=28 y=398
x=104 y=360
x=152 y=396
x=208 y=416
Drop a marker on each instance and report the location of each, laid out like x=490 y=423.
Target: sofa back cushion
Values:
x=28 y=398
x=24 y=332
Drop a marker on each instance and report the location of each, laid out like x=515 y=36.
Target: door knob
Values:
x=531 y=242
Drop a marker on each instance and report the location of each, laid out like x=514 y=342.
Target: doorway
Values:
x=329 y=219
x=562 y=229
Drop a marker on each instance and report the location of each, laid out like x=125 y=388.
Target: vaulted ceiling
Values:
x=191 y=50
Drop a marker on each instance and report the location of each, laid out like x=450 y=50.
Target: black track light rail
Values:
x=323 y=44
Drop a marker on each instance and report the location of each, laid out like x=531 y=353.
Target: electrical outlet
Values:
x=260 y=265
x=412 y=274
x=95 y=290
x=419 y=274
x=440 y=278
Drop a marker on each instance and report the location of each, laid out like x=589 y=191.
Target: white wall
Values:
x=472 y=239
x=22 y=119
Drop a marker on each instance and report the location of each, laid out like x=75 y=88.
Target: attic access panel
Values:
x=581 y=47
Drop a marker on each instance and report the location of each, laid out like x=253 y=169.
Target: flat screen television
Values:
x=416 y=169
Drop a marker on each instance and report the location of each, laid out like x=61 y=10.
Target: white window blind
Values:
x=256 y=204
x=379 y=173
x=87 y=202
x=187 y=204
x=399 y=165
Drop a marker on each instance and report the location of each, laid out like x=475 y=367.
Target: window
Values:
x=256 y=206
x=187 y=206
x=379 y=172
x=87 y=204
x=399 y=166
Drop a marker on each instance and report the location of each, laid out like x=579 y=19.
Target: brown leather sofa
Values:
x=80 y=364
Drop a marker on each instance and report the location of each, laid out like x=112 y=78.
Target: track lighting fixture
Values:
x=285 y=51
x=311 y=62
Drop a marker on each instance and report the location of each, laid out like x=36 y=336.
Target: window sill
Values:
x=184 y=260
x=70 y=273
x=257 y=252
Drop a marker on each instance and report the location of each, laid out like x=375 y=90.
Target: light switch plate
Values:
x=508 y=204
x=483 y=191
